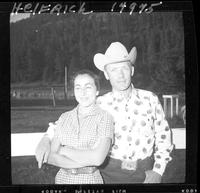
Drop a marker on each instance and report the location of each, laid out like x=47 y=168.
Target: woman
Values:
x=83 y=136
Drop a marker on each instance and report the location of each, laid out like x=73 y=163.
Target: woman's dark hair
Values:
x=91 y=74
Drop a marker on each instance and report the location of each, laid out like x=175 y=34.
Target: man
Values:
x=142 y=143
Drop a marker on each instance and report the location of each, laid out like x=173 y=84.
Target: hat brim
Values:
x=100 y=60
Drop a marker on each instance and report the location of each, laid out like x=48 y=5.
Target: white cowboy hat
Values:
x=115 y=53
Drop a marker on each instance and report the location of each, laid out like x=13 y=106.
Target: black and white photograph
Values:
x=100 y=97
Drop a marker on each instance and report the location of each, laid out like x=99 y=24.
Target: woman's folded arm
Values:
x=90 y=157
x=59 y=160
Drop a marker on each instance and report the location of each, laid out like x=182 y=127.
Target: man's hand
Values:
x=152 y=177
x=42 y=151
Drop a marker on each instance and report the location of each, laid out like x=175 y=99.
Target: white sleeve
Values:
x=51 y=130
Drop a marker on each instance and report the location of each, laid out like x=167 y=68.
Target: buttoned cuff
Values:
x=159 y=167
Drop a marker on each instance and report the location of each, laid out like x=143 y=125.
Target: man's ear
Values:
x=97 y=93
x=106 y=74
x=132 y=70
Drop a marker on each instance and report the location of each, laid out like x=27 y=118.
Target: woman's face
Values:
x=85 y=90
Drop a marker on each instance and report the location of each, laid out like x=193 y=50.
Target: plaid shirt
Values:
x=139 y=125
x=82 y=135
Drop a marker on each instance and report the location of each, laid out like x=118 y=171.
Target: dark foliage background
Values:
x=43 y=44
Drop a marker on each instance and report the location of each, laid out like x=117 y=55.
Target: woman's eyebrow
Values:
x=77 y=85
x=88 y=84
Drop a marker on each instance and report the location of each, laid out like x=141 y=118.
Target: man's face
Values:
x=119 y=75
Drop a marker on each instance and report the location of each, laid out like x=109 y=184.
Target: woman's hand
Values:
x=42 y=151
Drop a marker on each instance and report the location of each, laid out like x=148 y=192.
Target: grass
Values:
x=25 y=171
x=26 y=121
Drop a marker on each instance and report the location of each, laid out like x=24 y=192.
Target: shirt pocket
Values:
x=68 y=137
x=93 y=135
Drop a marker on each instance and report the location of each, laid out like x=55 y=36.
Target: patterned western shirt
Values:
x=140 y=127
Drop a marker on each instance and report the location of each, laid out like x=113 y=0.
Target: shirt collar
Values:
x=119 y=97
x=93 y=111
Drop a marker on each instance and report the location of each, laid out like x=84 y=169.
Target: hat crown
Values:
x=116 y=51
